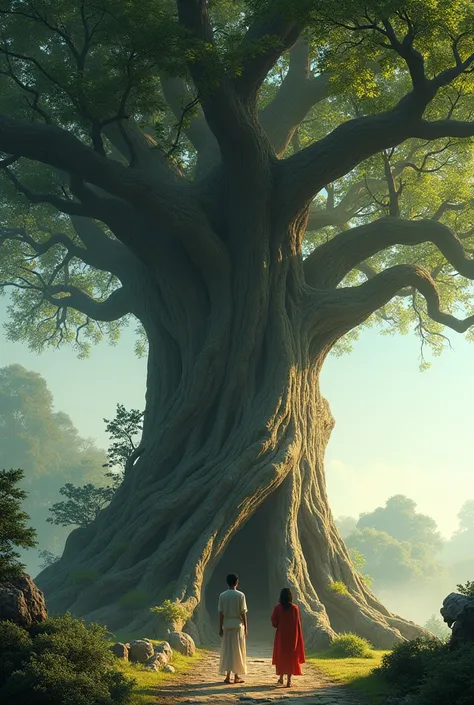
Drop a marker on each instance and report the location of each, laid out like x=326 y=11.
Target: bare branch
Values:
x=327 y=266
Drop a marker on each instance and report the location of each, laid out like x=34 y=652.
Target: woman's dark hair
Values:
x=232 y=580
x=286 y=598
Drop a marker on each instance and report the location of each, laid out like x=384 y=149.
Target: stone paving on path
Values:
x=204 y=685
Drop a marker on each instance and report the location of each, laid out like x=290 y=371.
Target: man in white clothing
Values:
x=233 y=630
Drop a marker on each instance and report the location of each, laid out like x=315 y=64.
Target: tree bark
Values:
x=231 y=476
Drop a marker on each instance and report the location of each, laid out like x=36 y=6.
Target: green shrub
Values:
x=134 y=600
x=406 y=666
x=15 y=647
x=61 y=662
x=467 y=589
x=350 y=646
x=171 y=611
x=84 y=577
x=449 y=679
x=339 y=587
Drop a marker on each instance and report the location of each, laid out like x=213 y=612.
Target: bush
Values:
x=171 y=611
x=60 y=662
x=339 y=587
x=350 y=646
x=407 y=665
x=449 y=679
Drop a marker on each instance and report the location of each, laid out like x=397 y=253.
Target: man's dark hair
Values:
x=232 y=580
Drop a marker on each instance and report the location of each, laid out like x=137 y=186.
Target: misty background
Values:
x=399 y=432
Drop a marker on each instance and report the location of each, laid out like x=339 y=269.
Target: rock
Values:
x=182 y=643
x=22 y=602
x=191 y=629
x=458 y=613
x=120 y=650
x=141 y=650
x=169 y=668
x=157 y=661
x=164 y=648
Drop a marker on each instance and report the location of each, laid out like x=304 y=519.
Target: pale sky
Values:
x=398 y=430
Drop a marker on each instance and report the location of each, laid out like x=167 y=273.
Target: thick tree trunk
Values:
x=231 y=478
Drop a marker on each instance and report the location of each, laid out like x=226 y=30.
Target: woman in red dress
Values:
x=288 y=649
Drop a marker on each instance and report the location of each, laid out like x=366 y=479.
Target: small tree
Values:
x=13 y=529
x=82 y=504
x=124 y=431
x=467 y=589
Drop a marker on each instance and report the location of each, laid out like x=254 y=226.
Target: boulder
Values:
x=164 y=648
x=141 y=650
x=157 y=661
x=182 y=643
x=22 y=602
x=169 y=668
x=120 y=650
x=458 y=613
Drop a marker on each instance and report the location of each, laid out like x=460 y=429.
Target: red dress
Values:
x=288 y=648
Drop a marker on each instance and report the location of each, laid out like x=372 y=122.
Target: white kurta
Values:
x=232 y=605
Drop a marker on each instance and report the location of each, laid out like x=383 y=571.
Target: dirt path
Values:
x=205 y=686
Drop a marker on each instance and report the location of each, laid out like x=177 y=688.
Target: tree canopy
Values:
x=14 y=532
x=87 y=83
x=252 y=181
x=45 y=443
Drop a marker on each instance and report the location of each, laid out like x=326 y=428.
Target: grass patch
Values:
x=357 y=673
x=147 y=689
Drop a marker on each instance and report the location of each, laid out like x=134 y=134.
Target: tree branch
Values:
x=114 y=307
x=351 y=306
x=276 y=35
x=327 y=266
x=178 y=96
x=298 y=93
x=304 y=174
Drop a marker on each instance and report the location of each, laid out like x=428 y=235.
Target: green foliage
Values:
x=134 y=600
x=14 y=532
x=467 y=589
x=350 y=645
x=47 y=559
x=407 y=665
x=359 y=561
x=82 y=505
x=171 y=611
x=398 y=544
x=400 y=519
x=124 y=430
x=436 y=626
x=430 y=673
x=450 y=679
x=83 y=68
x=83 y=577
x=338 y=587
x=61 y=662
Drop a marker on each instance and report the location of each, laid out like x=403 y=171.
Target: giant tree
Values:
x=172 y=154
